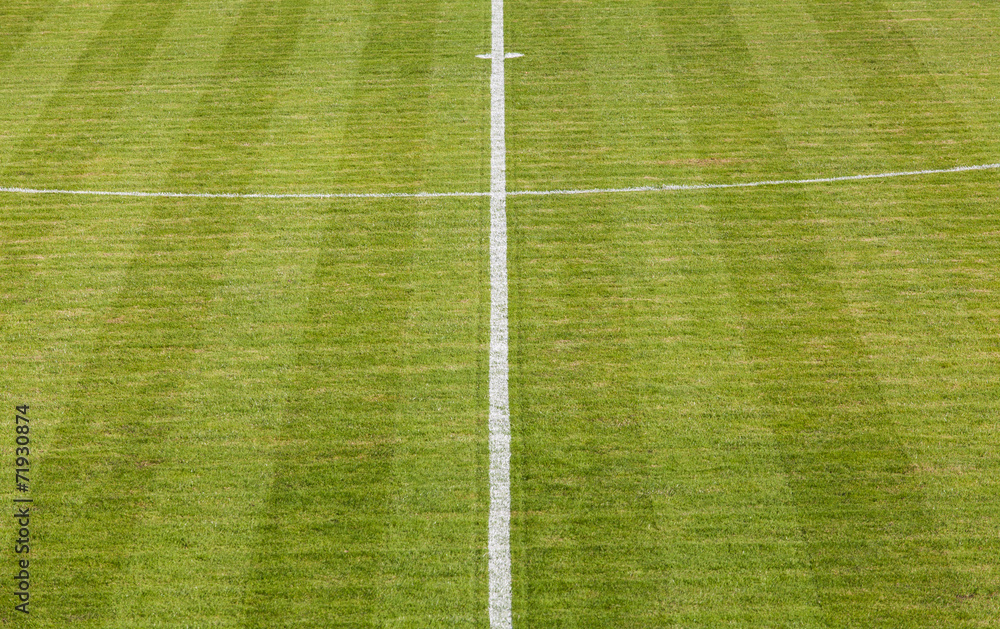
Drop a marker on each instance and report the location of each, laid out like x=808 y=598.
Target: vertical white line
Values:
x=499 y=519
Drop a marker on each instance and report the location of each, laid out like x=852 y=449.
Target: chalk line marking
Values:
x=538 y=193
x=507 y=55
x=755 y=184
x=499 y=419
x=249 y=195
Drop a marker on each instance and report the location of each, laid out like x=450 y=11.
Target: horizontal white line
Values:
x=249 y=195
x=753 y=184
x=434 y=195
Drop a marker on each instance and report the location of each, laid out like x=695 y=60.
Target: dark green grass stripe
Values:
x=133 y=394
x=67 y=135
x=619 y=519
x=344 y=425
x=389 y=107
x=233 y=116
x=920 y=274
x=17 y=21
x=911 y=115
x=322 y=555
x=68 y=138
x=591 y=438
x=905 y=107
x=546 y=124
x=128 y=37
x=583 y=520
x=871 y=541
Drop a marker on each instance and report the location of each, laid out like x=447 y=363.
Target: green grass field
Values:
x=747 y=407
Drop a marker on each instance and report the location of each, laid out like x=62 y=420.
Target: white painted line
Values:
x=754 y=184
x=499 y=419
x=248 y=195
x=436 y=195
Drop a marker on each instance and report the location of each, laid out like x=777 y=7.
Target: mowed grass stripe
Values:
x=223 y=147
x=865 y=516
x=915 y=266
x=134 y=147
x=17 y=21
x=605 y=55
x=646 y=492
x=939 y=367
x=439 y=494
x=583 y=520
x=584 y=529
x=34 y=225
x=914 y=259
x=150 y=356
x=458 y=136
x=390 y=99
x=67 y=141
x=905 y=107
x=949 y=38
x=871 y=535
x=224 y=404
x=329 y=495
x=62 y=138
x=49 y=334
x=36 y=69
x=547 y=86
x=381 y=462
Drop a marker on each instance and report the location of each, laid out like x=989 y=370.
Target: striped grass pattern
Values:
x=744 y=405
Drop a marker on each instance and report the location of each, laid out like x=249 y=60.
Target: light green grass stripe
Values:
x=902 y=338
x=62 y=141
x=71 y=100
x=439 y=497
x=390 y=99
x=387 y=529
x=36 y=66
x=915 y=264
x=67 y=140
x=847 y=468
x=904 y=105
x=952 y=41
x=149 y=364
x=228 y=130
x=382 y=459
x=648 y=490
x=584 y=534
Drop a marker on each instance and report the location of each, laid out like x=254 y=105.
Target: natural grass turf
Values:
x=734 y=328
x=263 y=419
x=767 y=407
x=252 y=413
